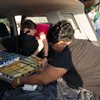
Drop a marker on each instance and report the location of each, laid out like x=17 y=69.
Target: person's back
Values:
x=85 y=61
x=42 y=28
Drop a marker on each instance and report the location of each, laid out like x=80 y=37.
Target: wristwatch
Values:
x=18 y=81
x=45 y=57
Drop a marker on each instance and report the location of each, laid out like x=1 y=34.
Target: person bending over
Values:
x=39 y=31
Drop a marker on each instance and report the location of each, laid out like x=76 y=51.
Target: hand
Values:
x=44 y=62
x=14 y=83
x=39 y=70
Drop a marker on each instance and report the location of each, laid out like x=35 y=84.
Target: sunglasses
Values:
x=27 y=32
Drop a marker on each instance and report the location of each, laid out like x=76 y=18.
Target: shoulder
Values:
x=42 y=25
x=42 y=28
x=97 y=21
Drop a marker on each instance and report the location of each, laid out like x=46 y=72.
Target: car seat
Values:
x=6 y=43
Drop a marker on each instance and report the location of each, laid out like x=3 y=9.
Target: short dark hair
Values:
x=28 y=24
x=61 y=31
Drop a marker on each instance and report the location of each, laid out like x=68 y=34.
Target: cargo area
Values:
x=17 y=47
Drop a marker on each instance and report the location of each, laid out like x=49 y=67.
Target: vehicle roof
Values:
x=54 y=10
x=34 y=7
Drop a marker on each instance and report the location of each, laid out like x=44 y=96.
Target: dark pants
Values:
x=60 y=89
x=3 y=87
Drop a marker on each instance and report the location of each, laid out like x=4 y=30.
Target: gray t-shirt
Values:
x=82 y=60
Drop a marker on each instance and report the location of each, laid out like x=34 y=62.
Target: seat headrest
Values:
x=3 y=30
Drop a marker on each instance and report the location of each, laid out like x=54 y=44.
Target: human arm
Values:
x=44 y=40
x=91 y=16
x=40 y=46
x=39 y=70
x=46 y=76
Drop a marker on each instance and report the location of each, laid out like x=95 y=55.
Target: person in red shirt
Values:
x=39 y=31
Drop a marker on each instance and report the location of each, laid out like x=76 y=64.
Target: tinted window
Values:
x=39 y=19
x=6 y=22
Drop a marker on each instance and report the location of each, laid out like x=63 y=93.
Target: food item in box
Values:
x=33 y=65
x=21 y=65
x=36 y=63
x=16 y=59
x=24 y=73
x=33 y=56
x=28 y=63
x=12 y=67
x=20 y=70
x=39 y=62
x=1 y=62
x=12 y=59
x=4 y=70
x=26 y=67
x=17 y=75
x=15 y=68
x=38 y=58
x=18 y=64
x=31 y=61
x=5 y=73
x=6 y=61
x=30 y=58
x=31 y=70
x=1 y=73
x=26 y=59
x=12 y=73
x=23 y=61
